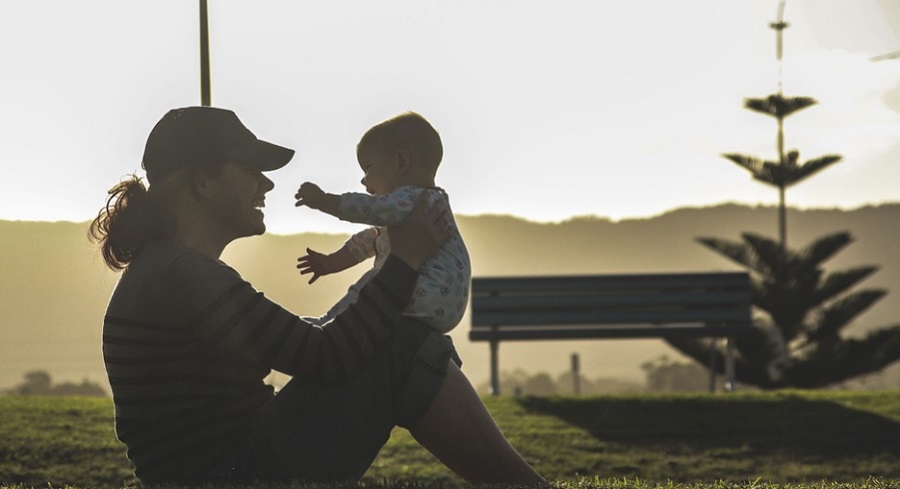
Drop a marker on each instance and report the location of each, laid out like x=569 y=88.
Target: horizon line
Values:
x=566 y=219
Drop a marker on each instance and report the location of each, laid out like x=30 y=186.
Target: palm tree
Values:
x=797 y=342
x=786 y=171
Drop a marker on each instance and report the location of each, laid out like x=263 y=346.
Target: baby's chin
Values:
x=383 y=191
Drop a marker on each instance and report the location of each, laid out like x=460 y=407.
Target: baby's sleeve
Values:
x=362 y=244
x=379 y=210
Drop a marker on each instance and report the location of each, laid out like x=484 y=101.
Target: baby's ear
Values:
x=404 y=160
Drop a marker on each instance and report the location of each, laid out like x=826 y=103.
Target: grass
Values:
x=788 y=439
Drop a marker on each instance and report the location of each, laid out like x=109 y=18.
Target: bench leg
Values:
x=730 y=384
x=713 y=344
x=495 y=369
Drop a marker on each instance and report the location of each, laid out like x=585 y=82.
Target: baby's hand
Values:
x=315 y=263
x=310 y=195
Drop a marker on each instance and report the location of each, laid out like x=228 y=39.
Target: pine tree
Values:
x=796 y=341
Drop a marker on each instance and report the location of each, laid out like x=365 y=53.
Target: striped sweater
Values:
x=187 y=343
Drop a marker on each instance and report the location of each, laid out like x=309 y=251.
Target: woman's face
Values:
x=237 y=196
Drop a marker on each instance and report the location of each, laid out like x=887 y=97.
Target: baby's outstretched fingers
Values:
x=312 y=263
x=309 y=194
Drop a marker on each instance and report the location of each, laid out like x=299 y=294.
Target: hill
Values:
x=54 y=286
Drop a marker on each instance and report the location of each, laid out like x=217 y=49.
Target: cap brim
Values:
x=262 y=155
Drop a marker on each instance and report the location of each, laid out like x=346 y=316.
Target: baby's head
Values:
x=403 y=150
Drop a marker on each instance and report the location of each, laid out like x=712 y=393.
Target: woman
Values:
x=187 y=342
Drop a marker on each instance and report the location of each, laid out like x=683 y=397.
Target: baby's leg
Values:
x=460 y=432
x=315 y=321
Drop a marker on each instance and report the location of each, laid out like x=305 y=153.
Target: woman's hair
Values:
x=132 y=218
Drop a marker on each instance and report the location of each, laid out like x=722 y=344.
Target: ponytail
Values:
x=132 y=218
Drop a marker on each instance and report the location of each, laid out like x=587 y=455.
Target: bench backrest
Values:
x=598 y=306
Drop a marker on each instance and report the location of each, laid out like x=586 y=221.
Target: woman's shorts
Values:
x=327 y=433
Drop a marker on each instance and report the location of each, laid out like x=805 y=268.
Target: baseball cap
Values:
x=189 y=136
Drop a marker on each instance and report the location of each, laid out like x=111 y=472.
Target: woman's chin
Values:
x=257 y=223
x=260 y=227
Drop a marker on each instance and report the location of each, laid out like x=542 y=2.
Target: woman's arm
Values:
x=230 y=314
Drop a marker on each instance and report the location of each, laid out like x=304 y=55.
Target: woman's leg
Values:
x=334 y=433
x=460 y=432
x=318 y=433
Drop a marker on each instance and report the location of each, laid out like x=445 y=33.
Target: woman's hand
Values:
x=420 y=235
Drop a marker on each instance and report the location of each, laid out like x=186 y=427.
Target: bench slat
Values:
x=599 y=332
x=553 y=300
x=585 y=316
x=620 y=282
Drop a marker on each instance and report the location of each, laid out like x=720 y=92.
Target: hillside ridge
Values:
x=55 y=286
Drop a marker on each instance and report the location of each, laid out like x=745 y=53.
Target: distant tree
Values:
x=519 y=382
x=36 y=382
x=565 y=384
x=665 y=375
x=511 y=382
x=86 y=389
x=605 y=385
x=39 y=383
x=539 y=385
x=798 y=342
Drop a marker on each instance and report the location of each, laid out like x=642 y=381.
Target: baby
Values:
x=399 y=159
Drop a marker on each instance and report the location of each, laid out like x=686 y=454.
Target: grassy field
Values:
x=755 y=440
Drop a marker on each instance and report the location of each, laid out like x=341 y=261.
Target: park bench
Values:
x=715 y=304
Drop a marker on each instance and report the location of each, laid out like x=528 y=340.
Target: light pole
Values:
x=205 y=95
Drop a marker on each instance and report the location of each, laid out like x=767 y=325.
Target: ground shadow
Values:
x=784 y=425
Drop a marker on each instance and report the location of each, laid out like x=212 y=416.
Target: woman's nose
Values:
x=267 y=184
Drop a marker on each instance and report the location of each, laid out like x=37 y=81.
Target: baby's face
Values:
x=381 y=171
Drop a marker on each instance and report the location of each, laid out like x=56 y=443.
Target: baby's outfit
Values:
x=442 y=290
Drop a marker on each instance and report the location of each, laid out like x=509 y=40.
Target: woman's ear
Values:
x=199 y=183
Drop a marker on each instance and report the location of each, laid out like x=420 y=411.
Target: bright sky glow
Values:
x=547 y=109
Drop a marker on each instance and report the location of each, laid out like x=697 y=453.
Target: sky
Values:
x=547 y=110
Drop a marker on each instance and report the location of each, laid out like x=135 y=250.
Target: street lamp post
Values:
x=205 y=95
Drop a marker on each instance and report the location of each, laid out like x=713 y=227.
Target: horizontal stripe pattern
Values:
x=187 y=377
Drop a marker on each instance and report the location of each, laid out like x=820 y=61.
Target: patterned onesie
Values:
x=442 y=290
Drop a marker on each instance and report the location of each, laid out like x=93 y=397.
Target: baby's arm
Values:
x=359 y=247
x=380 y=210
x=319 y=264
x=310 y=195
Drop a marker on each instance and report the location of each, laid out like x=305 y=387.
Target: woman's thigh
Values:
x=314 y=432
x=317 y=433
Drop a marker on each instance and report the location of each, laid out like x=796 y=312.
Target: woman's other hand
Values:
x=420 y=235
